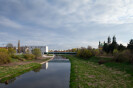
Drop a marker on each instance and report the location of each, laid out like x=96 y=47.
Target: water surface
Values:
x=53 y=74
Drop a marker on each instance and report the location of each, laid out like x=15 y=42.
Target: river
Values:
x=53 y=74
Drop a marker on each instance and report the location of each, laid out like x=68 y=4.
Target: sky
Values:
x=65 y=24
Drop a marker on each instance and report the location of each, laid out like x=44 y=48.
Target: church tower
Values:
x=109 y=40
x=99 y=44
x=114 y=39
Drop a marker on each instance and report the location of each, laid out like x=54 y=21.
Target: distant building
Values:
x=114 y=39
x=100 y=46
x=44 y=49
x=109 y=40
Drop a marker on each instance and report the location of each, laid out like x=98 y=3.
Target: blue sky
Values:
x=65 y=24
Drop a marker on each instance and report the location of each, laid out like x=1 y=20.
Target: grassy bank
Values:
x=17 y=68
x=89 y=74
x=9 y=72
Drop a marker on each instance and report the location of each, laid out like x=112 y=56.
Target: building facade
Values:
x=44 y=49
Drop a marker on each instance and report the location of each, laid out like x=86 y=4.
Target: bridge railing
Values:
x=60 y=53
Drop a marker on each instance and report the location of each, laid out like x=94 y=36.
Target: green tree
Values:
x=130 y=45
x=115 y=52
x=11 y=51
x=4 y=57
x=113 y=46
x=106 y=48
x=3 y=50
x=36 y=52
x=121 y=47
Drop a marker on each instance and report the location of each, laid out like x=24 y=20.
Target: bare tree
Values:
x=9 y=45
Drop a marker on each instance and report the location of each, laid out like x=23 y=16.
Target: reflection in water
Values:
x=57 y=75
x=37 y=69
x=10 y=81
x=45 y=65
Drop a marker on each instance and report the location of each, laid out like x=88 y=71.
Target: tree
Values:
x=36 y=52
x=115 y=52
x=106 y=48
x=11 y=51
x=4 y=57
x=9 y=45
x=121 y=47
x=4 y=50
x=113 y=46
x=130 y=45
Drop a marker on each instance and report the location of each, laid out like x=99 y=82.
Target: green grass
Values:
x=89 y=74
x=49 y=54
x=9 y=72
x=123 y=66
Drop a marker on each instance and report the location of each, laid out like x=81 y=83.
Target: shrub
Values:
x=36 y=52
x=3 y=50
x=84 y=53
x=15 y=56
x=29 y=56
x=124 y=56
x=19 y=57
x=11 y=51
x=115 y=52
x=95 y=52
x=4 y=58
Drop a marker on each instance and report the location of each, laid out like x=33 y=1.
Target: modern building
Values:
x=44 y=49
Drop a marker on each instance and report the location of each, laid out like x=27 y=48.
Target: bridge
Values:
x=61 y=53
x=60 y=60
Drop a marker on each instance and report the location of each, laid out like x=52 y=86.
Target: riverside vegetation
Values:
x=88 y=73
x=108 y=67
x=12 y=65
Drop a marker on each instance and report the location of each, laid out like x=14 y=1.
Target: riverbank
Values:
x=90 y=74
x=11 y=70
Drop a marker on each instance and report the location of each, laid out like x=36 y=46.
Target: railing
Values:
x=60 y=53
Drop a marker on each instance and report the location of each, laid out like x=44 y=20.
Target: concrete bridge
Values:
x=61 y=53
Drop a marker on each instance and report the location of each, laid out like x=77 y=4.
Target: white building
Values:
x=44 y=49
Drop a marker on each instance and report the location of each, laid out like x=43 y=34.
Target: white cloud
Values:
x=69 y=23
x=9 y=23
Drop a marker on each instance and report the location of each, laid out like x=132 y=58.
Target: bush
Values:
x=84 y=53
x=19 y=57
x=11 y=51
x=95 y=52
x=4 y=58
x=36 y=52
x=16 y=56
x=3 y=50
x=29 y=56
x=115 y=52
x=124 y=56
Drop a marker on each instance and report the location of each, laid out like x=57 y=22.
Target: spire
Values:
x=109 y=40
x=114 y=38
x=99 y=44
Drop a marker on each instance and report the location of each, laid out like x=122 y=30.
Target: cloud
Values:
x=65 y=24
x=8 y=23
